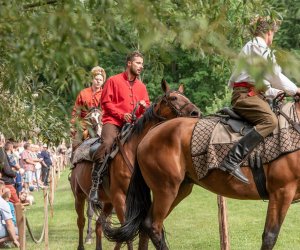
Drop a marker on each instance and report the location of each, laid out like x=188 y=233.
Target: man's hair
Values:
x=6 y=193
x=7 y=145
x=98 y=71
x=260 y=25
x=26 y=145
x=132 y=55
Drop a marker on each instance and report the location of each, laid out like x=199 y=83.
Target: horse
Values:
x=164 y=166
x=92 y=125
x=112 y=195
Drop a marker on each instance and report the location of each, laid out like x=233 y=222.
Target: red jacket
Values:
x=85 y=100
x=120 y=97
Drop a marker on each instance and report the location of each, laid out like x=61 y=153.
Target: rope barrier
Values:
x=48 y=201
x=46 y=197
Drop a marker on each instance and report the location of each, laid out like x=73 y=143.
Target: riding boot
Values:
x=93 y=196
x=239 y=152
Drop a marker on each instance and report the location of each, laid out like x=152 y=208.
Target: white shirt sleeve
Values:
x=275 y=80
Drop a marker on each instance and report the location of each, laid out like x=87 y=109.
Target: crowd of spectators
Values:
x=24 y=168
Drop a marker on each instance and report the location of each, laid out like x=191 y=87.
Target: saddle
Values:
x=234 y=121
x=119 y=142
x=214 y=136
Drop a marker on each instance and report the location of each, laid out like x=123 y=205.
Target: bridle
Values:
x=98 y=121
x=165 y=98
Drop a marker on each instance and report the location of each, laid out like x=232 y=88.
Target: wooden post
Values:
x=20 y=216
x=223 y=225
x=51 y=194
x=46 y=218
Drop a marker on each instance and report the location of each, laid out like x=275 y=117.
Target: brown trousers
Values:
x=255 y=110
x=108 y=136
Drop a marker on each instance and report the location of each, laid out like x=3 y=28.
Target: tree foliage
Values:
x=48 y=47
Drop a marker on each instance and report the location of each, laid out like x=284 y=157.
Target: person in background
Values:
x=248 y=96
x=6 y=196
x=7 y=227
x=28 y=164
x=47 y=163
x=8 y=174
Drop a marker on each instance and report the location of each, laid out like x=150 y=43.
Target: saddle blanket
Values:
x=83 y=151
x=211 y=141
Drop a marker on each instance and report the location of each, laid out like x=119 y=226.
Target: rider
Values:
x=248 y=97
x=120 y=95
x=88 y=98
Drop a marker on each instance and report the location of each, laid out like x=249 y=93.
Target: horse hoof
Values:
x=80 y=248
x=88 y=241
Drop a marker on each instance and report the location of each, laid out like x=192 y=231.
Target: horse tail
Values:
x=138 y=202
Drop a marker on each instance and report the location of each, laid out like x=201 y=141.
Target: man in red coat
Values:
x=120 y=95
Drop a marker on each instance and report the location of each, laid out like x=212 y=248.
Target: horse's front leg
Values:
x=279 y=204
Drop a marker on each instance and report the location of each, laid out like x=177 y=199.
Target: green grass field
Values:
x=192 y=225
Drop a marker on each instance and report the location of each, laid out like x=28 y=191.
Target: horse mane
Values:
x=140 y=124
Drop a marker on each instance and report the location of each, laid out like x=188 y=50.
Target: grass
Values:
x=192 y=225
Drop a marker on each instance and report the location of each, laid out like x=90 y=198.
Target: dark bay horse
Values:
x=172 y=104
x=164 y=166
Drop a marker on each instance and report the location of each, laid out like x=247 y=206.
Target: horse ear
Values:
x=164 y=85
x=181 y=88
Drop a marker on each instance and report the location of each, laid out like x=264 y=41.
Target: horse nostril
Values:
x=195 y=113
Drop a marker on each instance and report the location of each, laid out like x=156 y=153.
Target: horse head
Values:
x=174 y=104
x=94 y=119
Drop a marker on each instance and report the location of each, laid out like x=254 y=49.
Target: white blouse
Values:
x=275 y=82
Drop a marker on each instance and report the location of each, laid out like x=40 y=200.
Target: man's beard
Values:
x=134 y=72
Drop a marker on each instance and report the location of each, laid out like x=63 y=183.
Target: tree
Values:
x=48 y=48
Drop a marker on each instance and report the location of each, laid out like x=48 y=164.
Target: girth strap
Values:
x=259 y=176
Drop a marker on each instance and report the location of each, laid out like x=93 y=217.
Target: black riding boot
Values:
x=239 y=152
x=95 y=182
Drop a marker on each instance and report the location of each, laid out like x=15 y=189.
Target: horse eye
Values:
x=173 y=98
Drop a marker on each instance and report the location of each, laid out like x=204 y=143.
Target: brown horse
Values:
x=172 y=104
x=164 y=166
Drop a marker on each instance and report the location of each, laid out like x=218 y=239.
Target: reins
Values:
x=278 y=110
x=177 y=111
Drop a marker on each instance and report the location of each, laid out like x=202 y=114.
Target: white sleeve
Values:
x=276 y=78
x=280 y=81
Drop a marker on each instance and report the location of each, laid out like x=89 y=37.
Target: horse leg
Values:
x=106 y=211
x=119 y=205
x=79 y=206
x=143 y=240
x=184 y=190
x=89 y=213
x=279 y=204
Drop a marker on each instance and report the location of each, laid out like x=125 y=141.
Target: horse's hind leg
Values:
x=79 y=206
x=279 y=204
x=89 y=213
x=106 y=211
